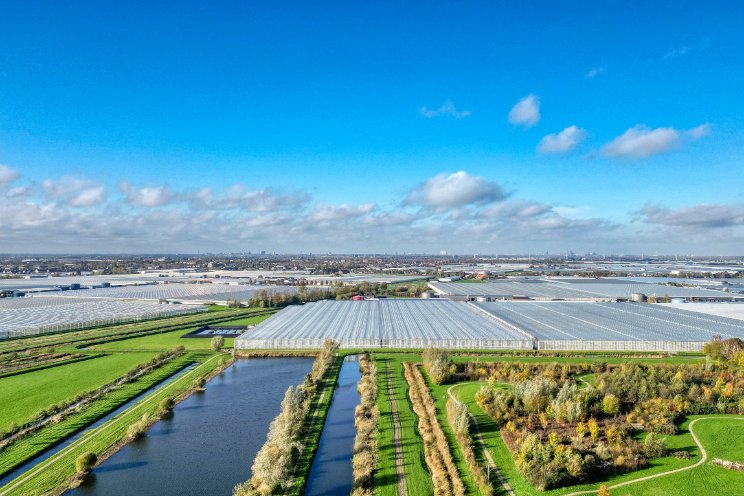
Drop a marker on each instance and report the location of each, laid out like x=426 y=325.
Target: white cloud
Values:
x=443 y=192
x=594 y=72
x=677 y=51
x=526 y=112
x=698 y=132
x=447 y=108
x=704 y=216
x=562 y=142
x=75 y=192
x=515 y=210
x=340 y=212
x=238 y=197
x=147 y=196
x=7 y=175
x=641 y=141
x=88 y=197
x=19 y=192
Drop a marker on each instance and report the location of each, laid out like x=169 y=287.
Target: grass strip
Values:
x=51 y=364
x=35 y=443
x=57 y=472
x=314 y=428
x=436 y=445
x=417 y=476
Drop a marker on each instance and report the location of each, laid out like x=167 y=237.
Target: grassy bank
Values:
x=52 y=434
x=55 y=473
x=22 y=396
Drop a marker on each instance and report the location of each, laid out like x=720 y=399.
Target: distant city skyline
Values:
x=476 y=128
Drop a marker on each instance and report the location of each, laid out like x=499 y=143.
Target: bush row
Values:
x=459 y=419
x=366 y=417
x=444 y=474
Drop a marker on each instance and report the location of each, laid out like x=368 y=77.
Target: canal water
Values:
x=331 y=473
x=208 y=444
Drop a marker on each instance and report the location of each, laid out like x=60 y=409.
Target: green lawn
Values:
x=51 y=475
x=723 y=435
x=439 y=392
x=169 y=340
x=24 y=395
x=39 y=441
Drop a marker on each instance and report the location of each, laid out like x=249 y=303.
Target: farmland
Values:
x=46 y=403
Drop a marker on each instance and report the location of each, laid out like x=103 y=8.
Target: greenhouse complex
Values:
x=571 y=288
x=409 y=323
x=29 y=316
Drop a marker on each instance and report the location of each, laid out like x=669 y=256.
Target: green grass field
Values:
x=33 y=444
x=169 y=340
x=52 y=474
x=22 y=396
x=721 y=436
x=439 y=392
x=418 y=478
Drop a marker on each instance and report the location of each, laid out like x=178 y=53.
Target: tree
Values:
x=167 y=404
x=610 y=404
x=85 y=462
x=654 y=446
x=436 y=362
x=593 y=429
x=217 y=343
x=603 y=491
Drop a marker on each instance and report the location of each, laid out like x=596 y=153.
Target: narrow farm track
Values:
x=703 y=459
x=95 y=432
x=396 y=434
x=479 y=438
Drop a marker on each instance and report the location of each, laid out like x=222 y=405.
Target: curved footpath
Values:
x=396 y=433
x=491 y=464
x=505 y=484
x=703 y=459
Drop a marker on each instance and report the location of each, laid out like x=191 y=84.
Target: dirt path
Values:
x=396 y=434
x=479 y=437
x=703 y=459
x=95 y=432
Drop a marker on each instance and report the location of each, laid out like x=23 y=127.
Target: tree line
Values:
x=274 y=463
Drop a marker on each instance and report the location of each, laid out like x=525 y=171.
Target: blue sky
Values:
x=372 y=127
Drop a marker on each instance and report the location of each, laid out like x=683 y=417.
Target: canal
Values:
x=208 y=444
x=331 y=473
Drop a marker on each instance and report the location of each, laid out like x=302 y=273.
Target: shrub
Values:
x=217 y=343
x=654 y=446
x=85 y=462
x=436 y=363
x=610 y=405
x=166 y=405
